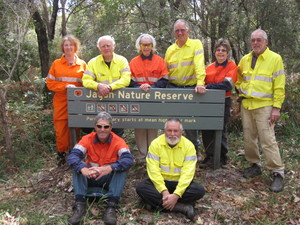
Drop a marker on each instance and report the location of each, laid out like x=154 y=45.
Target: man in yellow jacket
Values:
x=261 y=85
x=171 y=165
x=185 y=61
x=107 y=71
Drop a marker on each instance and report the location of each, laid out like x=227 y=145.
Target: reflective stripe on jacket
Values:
x=173 y=164
x=186 y=64
x=60 y=75
x=265 y=84
x=117 y=75
x=148 y=71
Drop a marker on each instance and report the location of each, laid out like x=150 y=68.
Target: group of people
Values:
x=171 y=158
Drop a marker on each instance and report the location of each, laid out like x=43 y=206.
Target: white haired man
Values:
x=261 y=86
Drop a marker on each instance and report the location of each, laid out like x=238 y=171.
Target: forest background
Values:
x=30 y=31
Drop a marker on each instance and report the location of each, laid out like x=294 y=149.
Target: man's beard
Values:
x=172 y=142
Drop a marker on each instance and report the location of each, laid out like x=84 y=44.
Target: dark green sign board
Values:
x=134 y=108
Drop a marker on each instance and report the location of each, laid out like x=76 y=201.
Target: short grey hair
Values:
x=264 y=34
x=174 y=120
x=142 y=37
x=106 y=37
x=103 y=116
x=181 y=21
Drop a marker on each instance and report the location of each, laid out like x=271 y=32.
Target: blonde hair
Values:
x=73 y=40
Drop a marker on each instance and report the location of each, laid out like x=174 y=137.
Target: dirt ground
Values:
x=229 y=198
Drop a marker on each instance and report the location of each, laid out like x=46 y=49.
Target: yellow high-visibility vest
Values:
x=265 y=84
x=186 y=64
x=173 y=164
x=117 y=75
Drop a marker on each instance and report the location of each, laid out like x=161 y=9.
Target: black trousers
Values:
x=208 y=136
x=149 y=194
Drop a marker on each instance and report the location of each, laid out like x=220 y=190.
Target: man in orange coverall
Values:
x=64 y=72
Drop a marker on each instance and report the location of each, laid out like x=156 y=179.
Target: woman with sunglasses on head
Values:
x=64 y=72
x=148 y=70
x=221 y=74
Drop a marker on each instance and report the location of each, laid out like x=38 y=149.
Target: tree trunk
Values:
x=52 y=23
x=41 y=33
x=63 y=18
x=5 y=126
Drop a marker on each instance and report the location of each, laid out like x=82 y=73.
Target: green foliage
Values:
x=31 y=125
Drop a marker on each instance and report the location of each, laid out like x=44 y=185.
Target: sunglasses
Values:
x=102 y=126
x=147 y=45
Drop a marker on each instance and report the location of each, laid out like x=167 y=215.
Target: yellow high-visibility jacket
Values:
x=186 y=64
x=173 y=164
x=117 y=76
x=265 y=84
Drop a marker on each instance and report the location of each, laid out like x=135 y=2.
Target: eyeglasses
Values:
x=221 y=50
x=180 y=30
x=147 y=45
x=103 y=126
x=256 y=40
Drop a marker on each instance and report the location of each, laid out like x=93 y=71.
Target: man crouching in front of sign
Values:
x=108 y=160
x=171 y=165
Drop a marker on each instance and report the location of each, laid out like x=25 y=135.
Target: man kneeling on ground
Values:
x=171 y=165
x=108 y=160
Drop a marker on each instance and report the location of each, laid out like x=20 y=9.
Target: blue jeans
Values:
x=110 y=186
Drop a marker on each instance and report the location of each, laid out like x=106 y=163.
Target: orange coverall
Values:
x=60 y=75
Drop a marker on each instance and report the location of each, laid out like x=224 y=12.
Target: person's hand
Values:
x=145 y=87
x=200 y=89
x=71 y=85
x=87 y=172
x=101 y=171
x=169 y=201
x=275 y=114
x=103 y=89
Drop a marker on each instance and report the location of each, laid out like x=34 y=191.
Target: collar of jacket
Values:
x=224 y=64
x=264 y=54
x=187 y=43
x=96 y=140
x=147 y=57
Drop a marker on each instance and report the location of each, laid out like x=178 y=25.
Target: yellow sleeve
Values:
x=188 y=169
x=279 y=83
x=125 y=75
x=89 y=77
x=199 y=63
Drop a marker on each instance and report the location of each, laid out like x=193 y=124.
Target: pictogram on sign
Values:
x=112 y=108
x=90 y=107
x=101 y=108
x=135 y=108
x=123 y=108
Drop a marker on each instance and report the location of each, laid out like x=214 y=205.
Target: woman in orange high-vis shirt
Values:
x=148 y=70
x=64 y=72
x=221 y=74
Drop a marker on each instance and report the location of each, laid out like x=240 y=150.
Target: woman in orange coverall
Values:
x=148 y=70
x=221 y=74
x=64 y=72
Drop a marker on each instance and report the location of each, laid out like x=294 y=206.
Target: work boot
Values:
x=277 y=184
x=206 y=163
x=79 y=211
x=61 y=158
x=186 y=209
x=252 y=171
x=110 y=215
